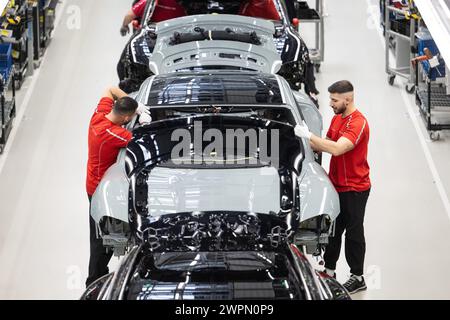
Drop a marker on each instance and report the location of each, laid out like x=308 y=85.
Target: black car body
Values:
x=297 y=69
x=210 y=224
x=278 y=273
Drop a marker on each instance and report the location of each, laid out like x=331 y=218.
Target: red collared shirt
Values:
x=139 y=8
x=264 y=9
x=105 y=141
x=350 y=171
x=164 y=10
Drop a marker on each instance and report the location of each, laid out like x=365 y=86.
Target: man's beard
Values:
x=340 y=110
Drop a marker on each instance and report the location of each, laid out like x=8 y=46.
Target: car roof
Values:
x=215 y=87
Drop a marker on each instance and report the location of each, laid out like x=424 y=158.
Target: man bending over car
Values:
x=106 y=137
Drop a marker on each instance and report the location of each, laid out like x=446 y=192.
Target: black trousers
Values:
x=350 y=220
x=99 y=256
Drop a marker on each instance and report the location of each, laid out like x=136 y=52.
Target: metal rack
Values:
x=43 y=13
x=314 y=15
x=433 y=99
x=7 y=107
x=26 y=33
x=432 y=77
x=47 y=18
x=19 y=42
x=36 y=26
x=401 y=45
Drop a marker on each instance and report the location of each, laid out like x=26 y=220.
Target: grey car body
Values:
x=133 y=67
x=196 y=224
x=214 y=53
x=318 y=197
x=281 y=274
x=226 y=45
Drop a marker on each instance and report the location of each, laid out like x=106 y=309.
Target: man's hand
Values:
x=302 y=132
x=145 y=118
x=124 y=30
x=142 y=109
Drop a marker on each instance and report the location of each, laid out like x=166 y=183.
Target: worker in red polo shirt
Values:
x=106 y=137
x=164 y=10
x=347 y=140
x=264 y=9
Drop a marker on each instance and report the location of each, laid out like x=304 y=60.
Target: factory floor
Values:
x=44 y=245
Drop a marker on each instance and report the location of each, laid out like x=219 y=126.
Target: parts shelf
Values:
x=432 y=74
x=314 y=15
x=47 y=21
x=14 y=31
x=433 y=100
x=399 y=27
x=28 y=26
x=7 y=107
x=43 y=12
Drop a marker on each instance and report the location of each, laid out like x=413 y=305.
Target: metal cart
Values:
x=17 y=35
x=7 y=87
x=433 y=99
x=314 y=15
x=43 y=12
x=403 y=34
x=47 y=18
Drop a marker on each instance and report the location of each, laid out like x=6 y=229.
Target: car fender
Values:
x=317 y=194
x=111 y=196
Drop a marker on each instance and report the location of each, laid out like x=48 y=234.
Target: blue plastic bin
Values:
x=426 y=41
x=6 y=60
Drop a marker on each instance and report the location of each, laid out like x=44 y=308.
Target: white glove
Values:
x=142 y=108
x=145 y=118
x=302 y=132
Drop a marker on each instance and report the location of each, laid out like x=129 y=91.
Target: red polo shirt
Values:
x=164 y=10
x=264 y=9
x=105 y=141
x=139 y=8
x=350 y=171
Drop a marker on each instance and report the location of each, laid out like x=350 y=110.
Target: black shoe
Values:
x=353 y=285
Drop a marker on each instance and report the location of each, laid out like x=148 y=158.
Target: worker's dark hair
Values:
x=342 y=86
x=125 y=106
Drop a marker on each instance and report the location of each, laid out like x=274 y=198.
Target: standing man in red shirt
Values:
x=347 y=140
x=135 y=13
x=264 y=9
x=106 y=137
x=164 y=10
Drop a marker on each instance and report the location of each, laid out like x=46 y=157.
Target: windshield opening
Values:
x=262 y=9
x=279 y=113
